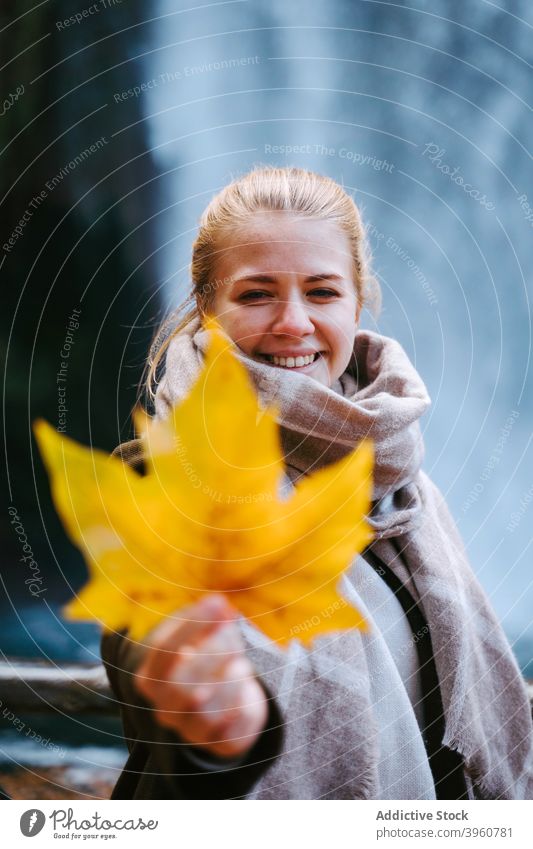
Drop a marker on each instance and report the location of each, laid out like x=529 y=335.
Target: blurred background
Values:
x=118 y=122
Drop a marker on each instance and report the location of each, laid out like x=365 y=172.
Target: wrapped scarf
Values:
x=331 y=737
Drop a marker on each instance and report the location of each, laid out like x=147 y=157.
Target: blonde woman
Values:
x=429 y=703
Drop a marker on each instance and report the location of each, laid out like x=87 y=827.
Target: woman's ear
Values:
x=358 y=313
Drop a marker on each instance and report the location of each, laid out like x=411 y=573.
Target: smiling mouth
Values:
x=290 y=362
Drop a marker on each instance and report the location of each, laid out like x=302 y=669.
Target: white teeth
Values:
x=293 y=362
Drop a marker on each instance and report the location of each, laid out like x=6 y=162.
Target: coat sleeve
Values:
x=161 y=765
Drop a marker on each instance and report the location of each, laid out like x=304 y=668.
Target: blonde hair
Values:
x=265 y=188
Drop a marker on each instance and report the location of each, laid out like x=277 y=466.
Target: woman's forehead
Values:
x=304 y=246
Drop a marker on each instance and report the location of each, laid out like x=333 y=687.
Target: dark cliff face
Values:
x=79 y=275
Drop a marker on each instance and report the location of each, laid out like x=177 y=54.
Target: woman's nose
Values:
x=293 y=319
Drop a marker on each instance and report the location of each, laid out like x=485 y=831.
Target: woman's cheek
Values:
x=253 y=322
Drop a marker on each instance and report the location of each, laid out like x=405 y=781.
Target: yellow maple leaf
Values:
x=208 y=516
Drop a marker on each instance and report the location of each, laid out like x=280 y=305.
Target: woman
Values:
x=429 y=703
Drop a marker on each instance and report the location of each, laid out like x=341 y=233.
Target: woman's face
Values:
x=284 y=293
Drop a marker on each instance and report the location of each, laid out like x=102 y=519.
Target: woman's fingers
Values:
x=213 y=691
x=201 y=683
x=228 y=723
x=192 y=681
x=207 y=660
x=214 y=707
x=232 y=728
x=191 y=621
x=246 y=724
x=181 y=635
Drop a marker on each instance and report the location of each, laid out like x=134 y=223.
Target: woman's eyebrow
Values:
x=324 y=277
x=268 y=278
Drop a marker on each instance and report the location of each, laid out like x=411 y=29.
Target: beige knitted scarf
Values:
x=331 y=739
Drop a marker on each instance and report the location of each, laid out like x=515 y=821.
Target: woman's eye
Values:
x=324 y=293
x=259 y=295
x=253 y=296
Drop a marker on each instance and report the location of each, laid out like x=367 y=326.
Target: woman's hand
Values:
x=196 y=675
